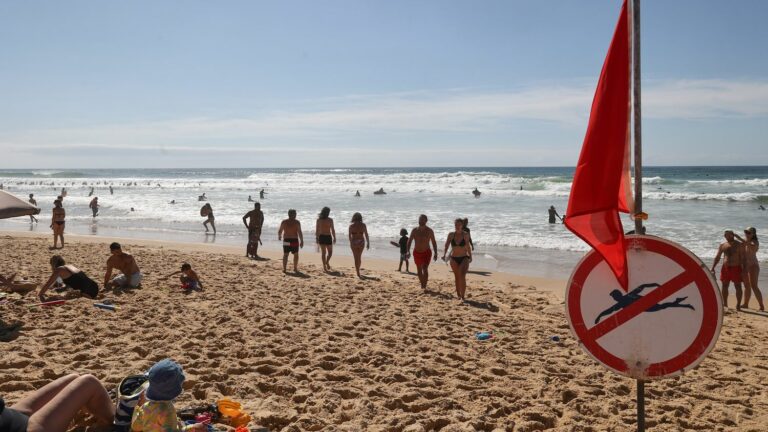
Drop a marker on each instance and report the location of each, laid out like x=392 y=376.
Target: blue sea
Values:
x=690 y=205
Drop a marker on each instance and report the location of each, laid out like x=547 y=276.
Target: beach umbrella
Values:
x=12 y=206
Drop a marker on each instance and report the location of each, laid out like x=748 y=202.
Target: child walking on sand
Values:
x=155 y=411
x=189 y=278
x=403 y=245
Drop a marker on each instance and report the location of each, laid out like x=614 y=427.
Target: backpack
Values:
x=128 y=394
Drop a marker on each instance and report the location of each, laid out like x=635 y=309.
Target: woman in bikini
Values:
x=751 y=267
x=325 y=235
x=358 y=240
x=72 y=276
x=57 y=223
x=461 y=255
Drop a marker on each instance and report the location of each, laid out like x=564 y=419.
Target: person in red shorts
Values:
x=732 y=266
x=421 y=237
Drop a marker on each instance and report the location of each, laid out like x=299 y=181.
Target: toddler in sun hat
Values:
x=155 y=411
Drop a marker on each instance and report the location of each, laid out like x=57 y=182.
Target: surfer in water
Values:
x=380 y=192
x=202 y=197
x=357 y=194
x=624 y=300
x=261 y=194
x=476 y=193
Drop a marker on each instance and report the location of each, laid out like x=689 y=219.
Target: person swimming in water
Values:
x=357 y=194
x=202 y=197
x=624 y=300
x=476 y=193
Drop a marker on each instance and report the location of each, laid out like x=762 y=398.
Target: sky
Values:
x=344 y=83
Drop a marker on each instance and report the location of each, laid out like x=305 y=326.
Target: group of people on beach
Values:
x=740 y=265
x=421 y=240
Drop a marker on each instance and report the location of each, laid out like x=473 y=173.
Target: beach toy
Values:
x=105 y=306
x=229 y=408
x=232 y=409
x=484 y=335
x=205 y=417
x=49 y=303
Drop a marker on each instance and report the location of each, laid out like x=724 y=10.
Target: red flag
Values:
x=601 y=182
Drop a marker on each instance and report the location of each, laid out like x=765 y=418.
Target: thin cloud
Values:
x=404 y=114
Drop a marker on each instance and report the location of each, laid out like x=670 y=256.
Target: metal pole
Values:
x=640 y=406
x=636 y=114
x=637 y=121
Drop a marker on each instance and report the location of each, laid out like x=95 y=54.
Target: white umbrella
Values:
x=12 y=206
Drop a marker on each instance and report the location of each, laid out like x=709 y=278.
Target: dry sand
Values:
x=331 y=352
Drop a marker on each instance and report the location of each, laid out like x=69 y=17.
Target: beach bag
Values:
x=128 y=394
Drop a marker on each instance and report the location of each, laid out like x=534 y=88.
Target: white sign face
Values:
x=667 y=320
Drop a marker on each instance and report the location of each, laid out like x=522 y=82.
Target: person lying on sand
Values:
x=53 y=407
x=72 y=276
x=155 y=411
x=131 y=275
x=189 y=278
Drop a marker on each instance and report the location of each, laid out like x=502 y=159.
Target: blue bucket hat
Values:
x=165 y=380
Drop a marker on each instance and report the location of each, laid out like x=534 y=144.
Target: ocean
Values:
x=689 y=205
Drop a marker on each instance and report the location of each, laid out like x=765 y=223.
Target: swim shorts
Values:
x=422 y=258
x=190 y=285
x=730 y=273
x=124 y=281
x=12 y=420
x=325 y=239
x=290 y=246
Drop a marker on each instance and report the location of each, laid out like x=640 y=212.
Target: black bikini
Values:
x=79 y=281
x=12 y=420
x=459 y=259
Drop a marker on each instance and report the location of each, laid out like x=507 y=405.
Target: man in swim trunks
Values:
x=293 y=239
x=732 y=266
x=253 y=221
x=131 y=275
x=421 y=237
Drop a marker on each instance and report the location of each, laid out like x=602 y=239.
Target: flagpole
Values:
x=636 y=115
x=637 y=121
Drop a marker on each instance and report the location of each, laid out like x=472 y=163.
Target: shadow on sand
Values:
x=298 y=274
x=10 y=331
x=755 y=312
x=438 y=294
x=482 y=305
x=480 y=272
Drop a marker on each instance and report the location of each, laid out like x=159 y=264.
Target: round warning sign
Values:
x=664 y=323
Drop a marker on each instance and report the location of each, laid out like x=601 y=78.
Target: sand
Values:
x=321 y=352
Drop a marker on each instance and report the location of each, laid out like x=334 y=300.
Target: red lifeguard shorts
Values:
x=422 y=258
x=730 y=273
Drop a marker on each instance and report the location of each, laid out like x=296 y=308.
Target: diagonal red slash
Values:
x=611 y=323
